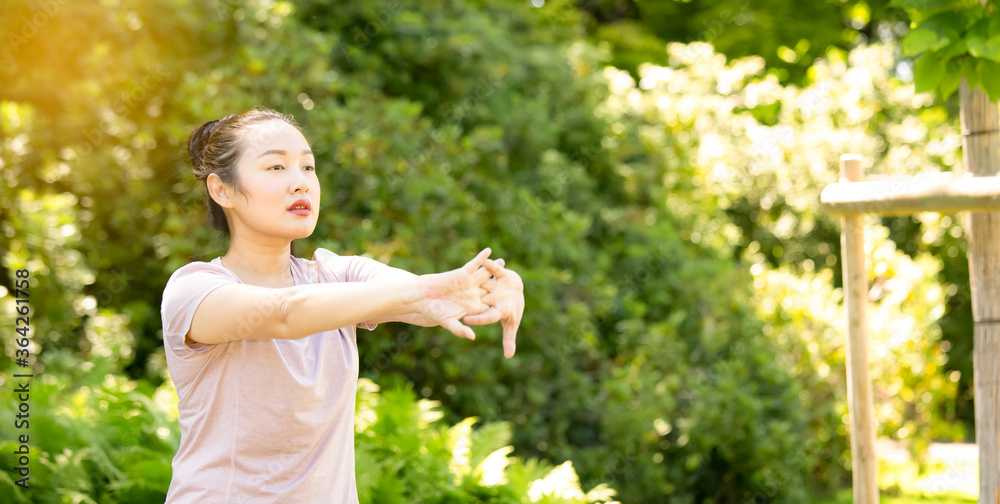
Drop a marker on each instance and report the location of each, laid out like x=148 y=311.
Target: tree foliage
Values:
x=954 y=39
x=790 y=36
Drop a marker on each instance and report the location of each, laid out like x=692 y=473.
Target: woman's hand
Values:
x=445 y=298
x=504 y=293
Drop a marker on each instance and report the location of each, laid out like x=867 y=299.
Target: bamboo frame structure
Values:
x=981 y=148
x=978 y=192
x=906 y=196
x=861 y=406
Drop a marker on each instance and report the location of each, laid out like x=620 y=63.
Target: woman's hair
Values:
x=217 y=146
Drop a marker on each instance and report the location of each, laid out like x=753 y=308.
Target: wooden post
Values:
x=981 y=150
x=859 y=385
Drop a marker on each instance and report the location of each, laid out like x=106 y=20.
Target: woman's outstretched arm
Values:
x=238 y=311
x=393 y=275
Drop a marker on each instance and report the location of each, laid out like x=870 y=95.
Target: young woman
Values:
x=261 y=344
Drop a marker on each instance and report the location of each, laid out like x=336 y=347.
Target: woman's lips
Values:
x=300 y=211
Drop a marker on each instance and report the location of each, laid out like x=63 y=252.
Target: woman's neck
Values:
x=271 y=268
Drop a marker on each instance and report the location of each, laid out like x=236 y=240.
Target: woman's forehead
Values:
x=276 y=135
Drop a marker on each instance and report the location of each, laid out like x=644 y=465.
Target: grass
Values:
x=946 y=478
x=846 y=497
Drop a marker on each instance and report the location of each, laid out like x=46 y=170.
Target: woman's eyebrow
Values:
x=281 y=152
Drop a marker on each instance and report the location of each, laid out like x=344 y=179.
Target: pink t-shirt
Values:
x=263 y=420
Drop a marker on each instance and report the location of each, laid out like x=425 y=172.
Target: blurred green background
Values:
x=652 y=169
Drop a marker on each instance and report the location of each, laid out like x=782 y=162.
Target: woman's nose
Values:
x=301 y=180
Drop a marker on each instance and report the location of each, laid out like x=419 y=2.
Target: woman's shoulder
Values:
x=213 y=267
x=327 y=265
x=324 y=255
x=333 y=267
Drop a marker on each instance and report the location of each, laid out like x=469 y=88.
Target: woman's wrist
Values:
x=409 y=304
x=413 y=294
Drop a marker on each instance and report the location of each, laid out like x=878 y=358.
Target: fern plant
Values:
x=97 y=438
x=404 y=454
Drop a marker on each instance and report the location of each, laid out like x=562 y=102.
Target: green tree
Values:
x=954 y=39
x=788 y=35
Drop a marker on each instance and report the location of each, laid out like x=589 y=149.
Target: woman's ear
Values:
x=218 y=191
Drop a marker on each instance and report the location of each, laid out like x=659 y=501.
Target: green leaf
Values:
x=951 y=78
x=992 y=48
x=977 y=46
x=928 y=72
x=989 y=78
x=920 y=40
x=948 y=25
x=981 y=29
x=993 y=24
x=919 y=4
x=488 y=439
x=954 y=49
x=970 y=72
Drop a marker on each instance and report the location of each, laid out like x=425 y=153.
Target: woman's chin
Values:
x=305 y=233
x=302 y=234
x=288 y=231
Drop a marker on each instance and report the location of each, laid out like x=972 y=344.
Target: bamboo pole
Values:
x=859 y=385
x=981 y=149
x=906 y=196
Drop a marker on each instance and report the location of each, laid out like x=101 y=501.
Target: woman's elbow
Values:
x=286 y=309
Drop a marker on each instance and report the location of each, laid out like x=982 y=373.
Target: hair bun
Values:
x=198 y=141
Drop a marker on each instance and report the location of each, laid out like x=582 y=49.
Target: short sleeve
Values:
x=185 y=290
x=338 y=268
x=364 y=269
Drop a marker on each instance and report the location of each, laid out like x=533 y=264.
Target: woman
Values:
x=261 y=344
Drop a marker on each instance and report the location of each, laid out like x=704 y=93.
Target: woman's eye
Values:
x=276 y=166
x=311 y=167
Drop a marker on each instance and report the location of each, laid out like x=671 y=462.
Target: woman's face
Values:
x=276 y=170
